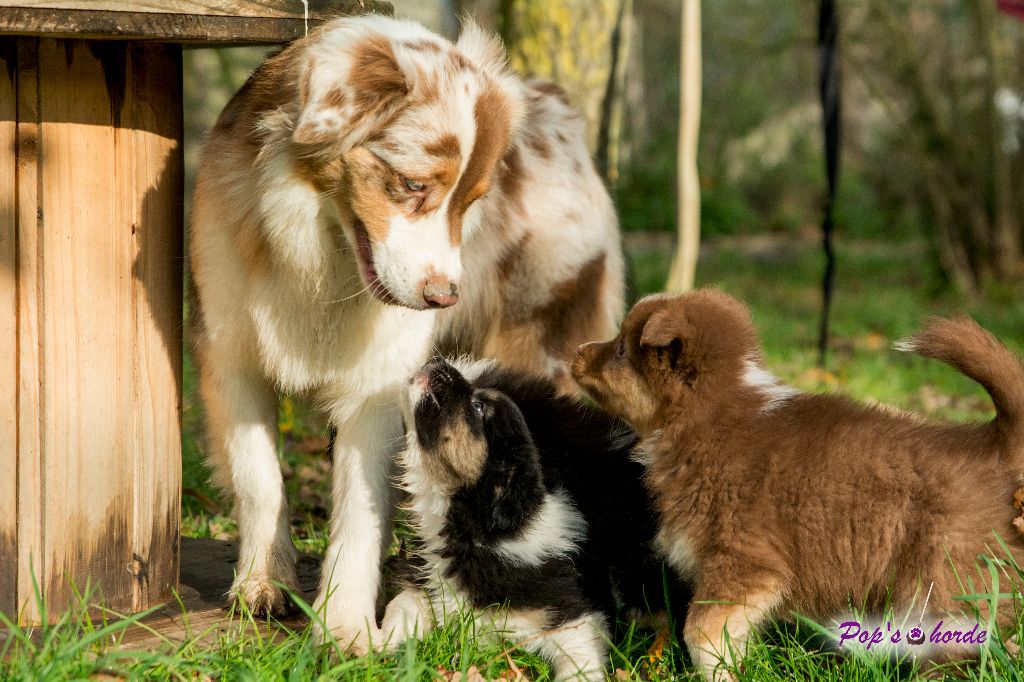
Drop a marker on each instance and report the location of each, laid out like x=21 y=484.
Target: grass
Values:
x=883 y=291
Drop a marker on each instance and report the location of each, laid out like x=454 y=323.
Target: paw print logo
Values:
x=916 y=636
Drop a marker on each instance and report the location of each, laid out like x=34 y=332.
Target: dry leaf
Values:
x=621 y=674
x=471 y=675
x=513 y=674
x=657 y=650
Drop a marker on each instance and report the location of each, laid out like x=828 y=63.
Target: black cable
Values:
x=828 y=87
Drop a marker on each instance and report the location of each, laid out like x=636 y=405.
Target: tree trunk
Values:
x=569 y=42
x=1005 y=239
x=684 y=263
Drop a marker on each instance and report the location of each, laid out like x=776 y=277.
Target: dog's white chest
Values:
x=333 y=335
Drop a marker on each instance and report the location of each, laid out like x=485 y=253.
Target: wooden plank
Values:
x=173 y=26
x=31 y=546
x=150 y=172
x=91 y=194
x=8 y=327
x=85 y=311
x=247 y=8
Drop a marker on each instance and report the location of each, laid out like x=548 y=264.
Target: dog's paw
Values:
x=358 y=641
x=407 y=616
x=261 y=595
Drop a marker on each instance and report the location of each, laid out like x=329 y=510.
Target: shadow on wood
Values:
x=207 y=569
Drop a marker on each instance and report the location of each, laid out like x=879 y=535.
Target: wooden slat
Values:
x=151 y=170
x=8 y=328
x=173 y=24
x=86 y=310
x=31 y=536
x=91 y=196
x=247 y=8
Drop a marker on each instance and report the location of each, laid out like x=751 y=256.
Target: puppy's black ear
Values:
x=666 y=332
x=507 y=508
x=519 y=495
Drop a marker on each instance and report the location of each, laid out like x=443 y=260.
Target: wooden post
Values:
x=91 y=161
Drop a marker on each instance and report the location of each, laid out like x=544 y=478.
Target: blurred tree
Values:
x=684 y=262
x=579 y=45
x=940 y=69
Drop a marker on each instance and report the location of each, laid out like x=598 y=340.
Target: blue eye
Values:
x=414 y=186
x=478 y=407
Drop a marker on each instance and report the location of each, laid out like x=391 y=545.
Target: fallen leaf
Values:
x=656 y=652
x=621 y=674
x=513 y=674
x=471 y=675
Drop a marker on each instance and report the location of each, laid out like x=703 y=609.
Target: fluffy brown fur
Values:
x=774 y=501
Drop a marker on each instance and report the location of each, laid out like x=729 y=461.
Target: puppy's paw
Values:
x=261 y=594
x=408 y=616
x=358 y=641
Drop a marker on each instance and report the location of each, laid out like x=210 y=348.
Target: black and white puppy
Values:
x=530 y=513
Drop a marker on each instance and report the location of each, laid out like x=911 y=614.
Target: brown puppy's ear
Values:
x=666 y=333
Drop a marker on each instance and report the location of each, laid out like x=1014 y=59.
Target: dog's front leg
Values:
x=717 y=629
x=364 y=450
x=241 y=410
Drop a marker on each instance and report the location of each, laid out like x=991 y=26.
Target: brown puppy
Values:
x=774 y=501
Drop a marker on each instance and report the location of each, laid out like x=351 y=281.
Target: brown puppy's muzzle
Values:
x=584 y=359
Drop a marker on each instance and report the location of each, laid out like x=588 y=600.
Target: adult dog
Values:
x=364 y=177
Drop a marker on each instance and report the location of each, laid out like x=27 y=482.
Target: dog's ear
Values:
x=342 y=108
x=506 y=507
x=486 y=50
x=482 y=48
x=667 y=333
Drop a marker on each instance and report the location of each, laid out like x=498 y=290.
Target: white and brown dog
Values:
x=363 y=177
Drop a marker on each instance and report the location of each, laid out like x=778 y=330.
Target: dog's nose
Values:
x=434 y=362
x=440 y=293
x=434 y=372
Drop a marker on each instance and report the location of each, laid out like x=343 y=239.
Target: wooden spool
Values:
x=91 y=185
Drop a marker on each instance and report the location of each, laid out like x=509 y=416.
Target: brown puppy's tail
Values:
x=965 y=346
